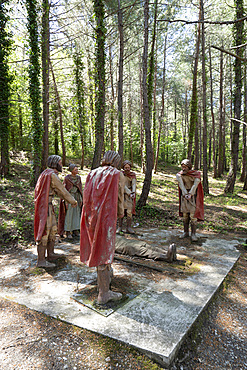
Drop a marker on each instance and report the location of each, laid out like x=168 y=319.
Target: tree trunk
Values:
x=120 y=81
x=149 y=151
x=244 y=150
x=45 y=78
x=204 y=108
x=212 y=116
x=34 y=89
x=193 y=103
x=239 y=39
x=220 y=143
x=112 y=101
x=99 y=81
x=161 y=117
x=60 y=116
x=141 y=126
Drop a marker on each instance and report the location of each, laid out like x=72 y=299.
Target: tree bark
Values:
x=212 y=116
x=244 y=149
x=149 y=151
x=120 y=81
x=99 y=81
x=239 y=32
x=204 y=108
x=60 y=116
x=220 y=143
x=45 y=78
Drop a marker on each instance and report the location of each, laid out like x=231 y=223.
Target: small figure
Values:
x=103 y=202
x=191 y=206
x=141 y=249
x=69 y=217
x=45 y=226
x=129 y=197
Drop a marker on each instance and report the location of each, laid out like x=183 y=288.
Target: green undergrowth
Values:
x=223 y=214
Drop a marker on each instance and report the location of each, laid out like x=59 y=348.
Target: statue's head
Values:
x=186 y=165
x=111 y=158
x=126 y=166
x=55 y=161
x=73 y=168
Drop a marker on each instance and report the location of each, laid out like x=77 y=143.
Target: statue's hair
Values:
x=111 y=158
x=71 y=167
x=53 y=160
x=187 y=163
x=126 y=162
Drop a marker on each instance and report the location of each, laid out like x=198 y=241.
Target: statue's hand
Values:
x=188 y=196
x=74 y=205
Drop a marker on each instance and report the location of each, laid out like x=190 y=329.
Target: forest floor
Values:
x=32 y=340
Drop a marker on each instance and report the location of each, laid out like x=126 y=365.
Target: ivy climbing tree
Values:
x=99 y=81
x=5 y=43
x=34 y=89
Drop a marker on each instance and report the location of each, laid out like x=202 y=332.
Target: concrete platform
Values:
x=157 y=319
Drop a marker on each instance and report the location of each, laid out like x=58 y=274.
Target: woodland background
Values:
x=157 y=81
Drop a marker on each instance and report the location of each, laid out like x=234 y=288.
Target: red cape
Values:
x=199 y=213
x=132 y=175
x=41 y=199
x=62 y=208
x=99 y=216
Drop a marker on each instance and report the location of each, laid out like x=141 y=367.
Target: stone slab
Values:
x=156 y=321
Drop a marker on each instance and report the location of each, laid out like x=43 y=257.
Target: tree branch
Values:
x=205 y=22
x=228 y=52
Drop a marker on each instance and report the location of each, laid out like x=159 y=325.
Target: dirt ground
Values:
x=32 y=340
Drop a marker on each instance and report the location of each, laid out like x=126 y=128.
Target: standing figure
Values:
x=103 y=202
x=129 y=197
x=45 y=225
x=69 y=217
x=191 y=206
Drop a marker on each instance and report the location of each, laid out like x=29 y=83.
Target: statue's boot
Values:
x=120 y=225
x=194 y=238
x=170 y=256
x=103 y=277
x=129 y=230
x=51 y=255
x=186 y=228
x=41 y=257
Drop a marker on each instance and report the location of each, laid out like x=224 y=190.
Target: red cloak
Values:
x=41 y=200
x=199 y=213
x=132 y=175
x=62 y=207
x=99 y=216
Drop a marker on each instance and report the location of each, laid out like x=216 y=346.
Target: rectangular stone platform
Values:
x=164 y=308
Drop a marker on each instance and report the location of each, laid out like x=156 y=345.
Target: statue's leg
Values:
x=120 y=225
x=186 y=221
x=194 y=238
x=104 y=277
x=51 y=255
x=41 y=249
x=129 y=230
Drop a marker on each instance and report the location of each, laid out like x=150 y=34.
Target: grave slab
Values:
x=163 y=308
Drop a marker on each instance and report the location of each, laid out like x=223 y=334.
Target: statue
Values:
x=191 y=206
x=129 y=197
x=103 y=202
x=69 y=217
x=45 y=225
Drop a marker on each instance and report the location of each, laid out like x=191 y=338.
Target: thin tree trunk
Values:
x=99 y=81
x=244 y=150
x=112 y=101
x=60 y=116
x=212 y=116
x=193 y=104
x=45 y=78
x=120 y=81
x=149 y=150
x=141 y=128
x=204 y=105
x=161 y=117
x=220 y=151
x=239 y=39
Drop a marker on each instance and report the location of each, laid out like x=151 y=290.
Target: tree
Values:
x=120 y=81
x=239 y=38
x=99 y=81
x=5 y=43
x=149 y=150
x=34 y=89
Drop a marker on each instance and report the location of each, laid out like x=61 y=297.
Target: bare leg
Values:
x=104 y=277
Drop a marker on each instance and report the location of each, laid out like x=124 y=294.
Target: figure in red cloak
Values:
x=103 y=201
x=45 y=225
x=129 y=197
x=191 y=206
